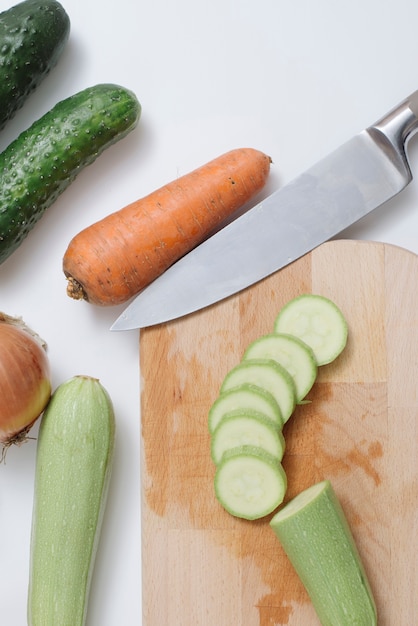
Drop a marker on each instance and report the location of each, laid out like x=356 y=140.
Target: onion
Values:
x=25 y=383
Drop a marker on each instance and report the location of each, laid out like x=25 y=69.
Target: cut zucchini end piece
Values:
x=250 y=483
x=318 y=321
x=316 y=537
x=300 y=501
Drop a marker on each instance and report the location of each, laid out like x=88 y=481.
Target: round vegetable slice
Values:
x=318 y=322
x=250 y=483
x=269 y=375
x=245 y=427
x=292 y=353
x=245 y=396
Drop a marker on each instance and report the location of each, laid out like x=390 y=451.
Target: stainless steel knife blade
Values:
x=339 y=190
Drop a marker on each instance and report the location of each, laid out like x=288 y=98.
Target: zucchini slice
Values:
x=318 y=322
x=245 y=396
x=245 y=427
x=292 y=353
x=249 y=482
x=269 y=375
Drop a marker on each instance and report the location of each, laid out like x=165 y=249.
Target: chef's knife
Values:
x=346 y=185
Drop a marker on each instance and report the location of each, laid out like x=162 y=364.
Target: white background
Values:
x=294 y=79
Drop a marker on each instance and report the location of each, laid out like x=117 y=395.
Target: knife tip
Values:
x=122 y=324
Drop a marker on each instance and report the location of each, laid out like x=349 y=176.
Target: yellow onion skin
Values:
x=25 y=380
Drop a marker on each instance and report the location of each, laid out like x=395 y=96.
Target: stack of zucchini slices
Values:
x=259 y=395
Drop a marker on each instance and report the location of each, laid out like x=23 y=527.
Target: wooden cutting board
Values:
x=203 y=567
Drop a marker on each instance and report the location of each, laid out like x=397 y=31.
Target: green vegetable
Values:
x=318 y=322
x=42 y=162
x=33 y=35
x=316 y=536
x=73 y=466
x=292 y=353
x=249 y=482
x=280 y=367
x=247 y=427
x=269 y=375
x=245 y=396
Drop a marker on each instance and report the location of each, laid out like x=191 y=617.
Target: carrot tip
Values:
x=75 y=290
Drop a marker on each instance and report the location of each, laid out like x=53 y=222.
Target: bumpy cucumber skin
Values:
x=42 y=162
x=73 y=470
x=33 y=35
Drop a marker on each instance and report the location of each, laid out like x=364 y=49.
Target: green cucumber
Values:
x=33 y=35
x=249 y=482
x=245 y=427
x=245 y=396
x=269 y=375
x=73 y=467
x=42 y=162
x=318 y=322
x=315 y=534
x=292 y=353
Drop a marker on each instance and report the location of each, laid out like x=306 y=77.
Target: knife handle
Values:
x=413 y=103
x=393 y=132
x=401 y=123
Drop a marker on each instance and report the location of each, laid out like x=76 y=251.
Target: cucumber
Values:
x=245 y=427
x=315 y=534
x=318 y=322
x=33 y=35
x=249 y=482
x=292 y=353
x=268 y=375
x=42 y=162
x=73 y=467
x=245 y=396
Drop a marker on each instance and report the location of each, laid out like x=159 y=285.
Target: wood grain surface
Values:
x=203 y=567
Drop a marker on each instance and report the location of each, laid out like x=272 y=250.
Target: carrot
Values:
x=113 y=259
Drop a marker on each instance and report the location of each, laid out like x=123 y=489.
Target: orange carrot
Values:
x=113 y=259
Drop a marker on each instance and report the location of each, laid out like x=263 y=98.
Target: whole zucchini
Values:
x=73 y=467
x=41 y=163
x=32 y=36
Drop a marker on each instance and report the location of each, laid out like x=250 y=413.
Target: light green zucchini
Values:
x=73 y=467
x=292 y=353
x=247 y=427
x=270 y=376
x=318 y=322
x=249 y=482
x=315 y=535
x=245 y=396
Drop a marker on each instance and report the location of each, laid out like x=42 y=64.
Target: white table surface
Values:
x=294 y=79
